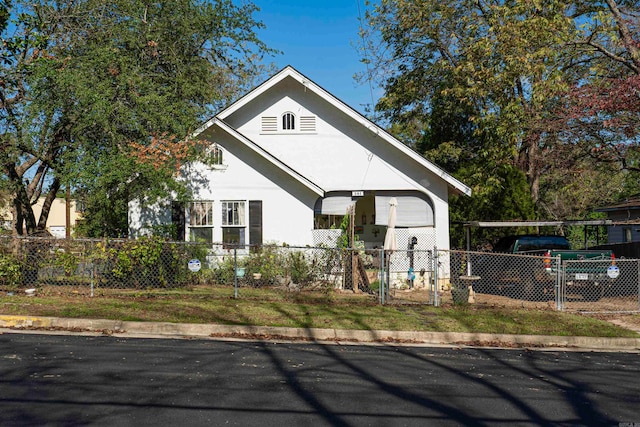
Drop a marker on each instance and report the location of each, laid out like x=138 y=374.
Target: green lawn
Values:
x=306 y=310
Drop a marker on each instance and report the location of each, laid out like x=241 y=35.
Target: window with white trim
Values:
x=215 y=155
x=233 y=222
x=233 y=213
x=201 y=221
x=288 y=121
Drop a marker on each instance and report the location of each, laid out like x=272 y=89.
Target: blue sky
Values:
x=320 y=39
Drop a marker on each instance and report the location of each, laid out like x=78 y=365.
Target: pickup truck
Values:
x=535 y=277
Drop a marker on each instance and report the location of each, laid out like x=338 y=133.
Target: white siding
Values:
x=341 y=155
x=329 y=147
x=287 y=210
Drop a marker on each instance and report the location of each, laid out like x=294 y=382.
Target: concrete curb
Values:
x=182 y=330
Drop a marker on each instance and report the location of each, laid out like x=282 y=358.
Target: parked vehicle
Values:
x=585 y=273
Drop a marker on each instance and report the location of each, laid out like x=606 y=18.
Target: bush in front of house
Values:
x=147 y=262
x=10 y=272
x=302 y=270
x=267 y=262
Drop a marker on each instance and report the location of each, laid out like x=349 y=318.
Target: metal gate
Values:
x=600 y=286
x=409 y=277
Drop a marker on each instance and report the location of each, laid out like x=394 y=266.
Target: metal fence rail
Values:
x=601 y=286
x=497 y=279
x=98 y=267
x=91 y=267
x=85 y=266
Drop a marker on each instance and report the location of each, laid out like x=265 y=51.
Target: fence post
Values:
x=434 y=284
x=235 y=272
x=560 y=288
x=382 y=275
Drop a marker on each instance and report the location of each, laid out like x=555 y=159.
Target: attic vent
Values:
x=307 y=123
x=269 y=124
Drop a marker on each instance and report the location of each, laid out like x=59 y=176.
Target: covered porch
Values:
x=369 y=216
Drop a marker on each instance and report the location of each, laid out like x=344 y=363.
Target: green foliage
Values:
x=268 y=261
x=571 y=189
x=67 y=261
x=97 y=93
x=146 y=262
x=224 y=272
x=301 y=270
x=10 y=272
x=343 y=240
x=276 y=266
x=505 y=197
x=478 y=88
x=591 y=235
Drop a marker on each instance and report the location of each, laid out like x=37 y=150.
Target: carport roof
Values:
x=489 y=224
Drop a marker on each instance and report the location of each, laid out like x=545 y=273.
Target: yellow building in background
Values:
x=57 y=221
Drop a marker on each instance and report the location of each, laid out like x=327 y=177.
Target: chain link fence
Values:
x=516 y=280
x=409 y=277
x=503 y=279
x=80 y=266
x=599 y=286
x=110 y=267
x=256 y=271
x=123 y=267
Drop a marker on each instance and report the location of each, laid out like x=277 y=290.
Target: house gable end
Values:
x=288 y=76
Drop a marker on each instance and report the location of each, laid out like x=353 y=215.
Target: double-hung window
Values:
x=201 y=221
x=233 y=222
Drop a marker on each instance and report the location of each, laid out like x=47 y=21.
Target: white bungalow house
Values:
x=290 y=158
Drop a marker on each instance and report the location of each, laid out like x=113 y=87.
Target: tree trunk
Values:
x=25 y=220
x=529 y=163
x=626 y=36
x=46 y=206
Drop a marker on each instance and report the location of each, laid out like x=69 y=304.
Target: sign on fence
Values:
x=194 y=265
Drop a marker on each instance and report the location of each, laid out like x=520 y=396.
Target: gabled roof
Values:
x=633 y=203
x=290 y=72
x=264 y=154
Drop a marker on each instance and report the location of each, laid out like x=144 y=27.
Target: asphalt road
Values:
x=79 y=380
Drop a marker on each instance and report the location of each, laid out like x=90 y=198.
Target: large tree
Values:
x=500 y=59
x=602 y=112
x=512 y=77
x=101 y=95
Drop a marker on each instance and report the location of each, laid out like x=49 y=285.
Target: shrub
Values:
x=67 y=261
x=10 y=272
x=266 y=261
x=301 y=271
x=147 y=262
x=223 y=273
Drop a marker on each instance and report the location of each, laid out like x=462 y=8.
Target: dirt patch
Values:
x=424 y=296
x=627 y=321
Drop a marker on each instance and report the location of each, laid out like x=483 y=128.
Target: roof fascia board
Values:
x=289 y=71
x=258 y=90
x=489 y=224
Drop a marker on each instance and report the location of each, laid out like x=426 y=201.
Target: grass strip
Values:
x=322 y=310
